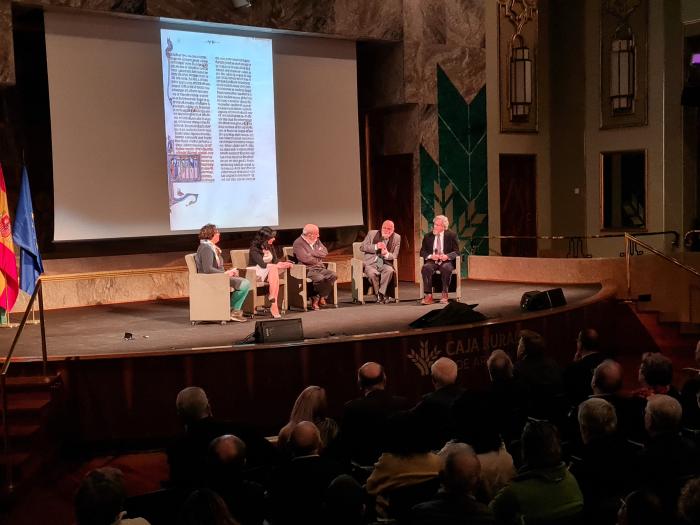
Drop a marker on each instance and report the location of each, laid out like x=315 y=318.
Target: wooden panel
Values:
x=518 y=204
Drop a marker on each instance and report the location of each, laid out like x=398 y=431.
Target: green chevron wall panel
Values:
x=457 y=185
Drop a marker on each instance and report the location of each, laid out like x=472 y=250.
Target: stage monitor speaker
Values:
x=453 y=313
x=279 y=330
x=537 y=300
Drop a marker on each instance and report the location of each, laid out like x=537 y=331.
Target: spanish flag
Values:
x=9 y=285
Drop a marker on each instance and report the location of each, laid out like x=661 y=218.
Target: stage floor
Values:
x=163 y=326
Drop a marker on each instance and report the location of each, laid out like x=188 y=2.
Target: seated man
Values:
x=381 y=249
x=439 y=251
x=310 y=251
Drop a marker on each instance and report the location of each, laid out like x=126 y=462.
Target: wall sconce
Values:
x=622 y=71
x=520 y=96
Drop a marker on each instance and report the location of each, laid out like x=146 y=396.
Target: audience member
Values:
x=543 y=489
x=188 y=453
x=607 y=384
x=668 y=459
x=245 y=499
x=689 y=396
x=344 y=502
x=689 y=502
x=311 y=405
x=578 y=375
x=476 y=417
x=455 y=503
x=605 y=470
x=435 y=408
x=655 y=375
x=408 y=460
x=539 y=379
x=100 y=499
x=363 y=428
x=510 y=408
x=299 y=487
x=641 y=507
x=205 y=507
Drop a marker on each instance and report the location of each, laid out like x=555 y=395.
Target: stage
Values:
x=163 y=326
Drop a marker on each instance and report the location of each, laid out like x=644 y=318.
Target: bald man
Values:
x=381 y=249
x=310 y=251
x=435 y=409
x=364 y=426
x=456 y=502
x=297 y=489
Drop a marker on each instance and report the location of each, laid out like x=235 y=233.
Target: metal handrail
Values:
x=576 y=241
x=632 y=239
x=38 y=292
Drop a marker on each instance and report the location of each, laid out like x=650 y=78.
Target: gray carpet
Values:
x=164 y=325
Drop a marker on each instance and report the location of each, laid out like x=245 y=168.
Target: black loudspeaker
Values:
x=453 y=313
x=536 y=300
x=278 y=330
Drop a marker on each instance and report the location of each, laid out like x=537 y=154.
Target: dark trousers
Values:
x=322 y=279
x=430 y=267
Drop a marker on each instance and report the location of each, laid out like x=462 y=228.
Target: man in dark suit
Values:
x=455 y=503
x=435 y=409
x=439 y=250
x=298 y=489
x=578 y=375
x=187 y=455
x=364 y=425
x=225 y=475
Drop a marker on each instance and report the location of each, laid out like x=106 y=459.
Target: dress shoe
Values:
x=428 y=299
x=443 y=299
x=322 y=301
x=238 y=317
x=389 y=300
x=314 y=303
x=380 y=298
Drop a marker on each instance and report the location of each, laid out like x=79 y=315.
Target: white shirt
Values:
x=438 y=243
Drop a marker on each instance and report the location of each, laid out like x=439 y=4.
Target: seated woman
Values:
x=264 y=257
x=208 y=260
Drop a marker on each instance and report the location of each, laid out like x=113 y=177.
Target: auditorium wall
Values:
x=407 y=40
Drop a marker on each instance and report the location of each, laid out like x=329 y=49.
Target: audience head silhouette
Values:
x=596 y=419
x=228 y=450
x=655 y=370
x=541 y=445
x=689 y=502
x=100 y=498
x=500 y=366
x=461 y=470
x=444 y=372
x=306 y=439
x=192 y=404
x=588 y=341
x=371 y=376
x=205 y=507
x=641 y=507
x=607 y=378
x=531 y=344
x=345 y=501
x=662 y=415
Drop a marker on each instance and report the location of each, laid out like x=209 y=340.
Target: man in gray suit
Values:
x=309 y=250
x=381 y=248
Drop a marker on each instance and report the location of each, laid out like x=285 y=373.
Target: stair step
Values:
x=20 y=430
x=26 y=404
x=15 y=383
